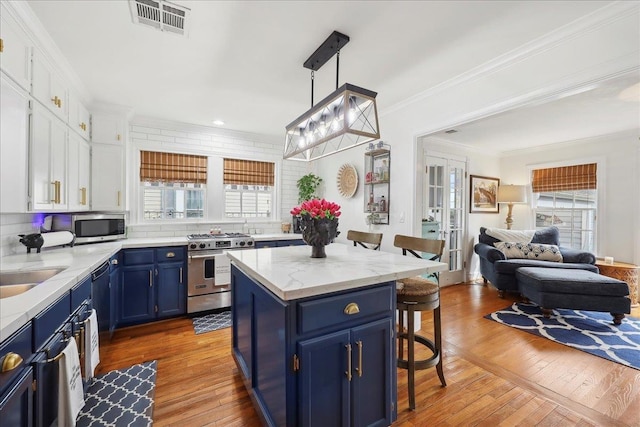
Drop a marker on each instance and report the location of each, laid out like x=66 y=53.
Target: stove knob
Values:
x=249 y=243
x=202 y=245
x=192 y=246
x=242 y=243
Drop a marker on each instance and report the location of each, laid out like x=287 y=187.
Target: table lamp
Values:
x=511 y=194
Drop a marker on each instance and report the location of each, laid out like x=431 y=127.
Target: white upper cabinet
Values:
x=15 y=51
x=79 y=172
x=48 y=87
x=107 y=129
x=14 y=134
x=48 y=161
x=79 y=117
x=107 y=178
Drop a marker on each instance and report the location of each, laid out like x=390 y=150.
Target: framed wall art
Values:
x=484 y=194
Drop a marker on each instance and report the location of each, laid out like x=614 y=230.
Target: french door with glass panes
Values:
x=443 y=212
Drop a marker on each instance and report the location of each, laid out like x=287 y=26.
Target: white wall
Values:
x=536 y=72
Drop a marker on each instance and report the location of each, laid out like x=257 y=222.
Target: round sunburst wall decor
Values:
x=347 y=180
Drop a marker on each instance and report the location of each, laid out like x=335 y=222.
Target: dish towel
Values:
x=70 y=392
x=91 y=345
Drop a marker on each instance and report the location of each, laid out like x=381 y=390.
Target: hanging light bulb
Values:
x=344 y=119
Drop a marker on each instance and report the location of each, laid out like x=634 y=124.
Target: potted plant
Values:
x=307 y=186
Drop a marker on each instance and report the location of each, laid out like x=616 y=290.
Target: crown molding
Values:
x=583 y=25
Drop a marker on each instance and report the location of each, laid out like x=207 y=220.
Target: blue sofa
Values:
x=501 y=272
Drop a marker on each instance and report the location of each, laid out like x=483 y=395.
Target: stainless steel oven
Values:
x=209 y=275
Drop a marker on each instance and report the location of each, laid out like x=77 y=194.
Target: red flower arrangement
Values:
x=317 y=208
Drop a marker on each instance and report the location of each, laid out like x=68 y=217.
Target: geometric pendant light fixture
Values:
x=346 y=118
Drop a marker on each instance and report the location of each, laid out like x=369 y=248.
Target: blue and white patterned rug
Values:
x=212 y=322
x=589 y=331
x=121 y=398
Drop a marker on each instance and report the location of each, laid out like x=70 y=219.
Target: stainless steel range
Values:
x=209 y=278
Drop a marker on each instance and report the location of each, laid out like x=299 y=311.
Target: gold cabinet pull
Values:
x=118 y=197
x=10 y=362
x=180 y=274
x=59 y=103
x=171 y=254
x=150 y=277
x=83 y=195
x=352 y=308
x=55 y=100
x=58 y=193
x=1 y=45
x=359 y=368
x=118 y=137
x=348 y=372
x=55 y=191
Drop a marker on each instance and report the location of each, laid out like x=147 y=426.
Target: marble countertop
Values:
x=78 y=262
x=290 y=273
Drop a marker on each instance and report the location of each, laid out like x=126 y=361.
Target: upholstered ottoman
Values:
x=574 y=289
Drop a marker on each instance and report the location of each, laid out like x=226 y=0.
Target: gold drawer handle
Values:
x=10 y=362
x=352 y=308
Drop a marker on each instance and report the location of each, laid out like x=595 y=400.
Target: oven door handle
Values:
x=207 y=255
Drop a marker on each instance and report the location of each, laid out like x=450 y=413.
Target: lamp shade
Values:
x=512 y=194
x=346 y=118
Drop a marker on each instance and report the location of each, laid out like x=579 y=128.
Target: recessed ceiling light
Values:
x=218 y=122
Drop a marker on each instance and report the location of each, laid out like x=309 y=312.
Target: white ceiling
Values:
x=242 y=60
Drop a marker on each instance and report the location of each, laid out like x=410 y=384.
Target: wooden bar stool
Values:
x=418 y=294
x=363 y=239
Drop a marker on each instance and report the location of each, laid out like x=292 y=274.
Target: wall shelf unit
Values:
x=377 y=181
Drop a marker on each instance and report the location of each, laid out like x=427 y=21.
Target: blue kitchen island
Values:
x=314 y=339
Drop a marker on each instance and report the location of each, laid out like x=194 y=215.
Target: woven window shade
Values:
x=578 y=177
x=248 y=172
x=170 y=167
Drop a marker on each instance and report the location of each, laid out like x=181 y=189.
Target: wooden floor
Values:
x=496 y=375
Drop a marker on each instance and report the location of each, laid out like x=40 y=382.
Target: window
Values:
x=172 y=200
x=173 y=185
x=249 y=187
x=567 y=198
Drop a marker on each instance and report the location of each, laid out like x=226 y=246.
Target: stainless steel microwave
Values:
x=90 y=228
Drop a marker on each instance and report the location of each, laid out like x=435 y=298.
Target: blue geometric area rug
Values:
x=212 y=322
x=589 y=331
x=121 y=398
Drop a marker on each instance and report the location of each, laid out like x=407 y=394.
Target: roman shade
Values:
x=577 y=177
x=172 y=167
x=248 y=172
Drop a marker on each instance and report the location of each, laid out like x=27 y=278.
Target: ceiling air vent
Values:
x=160 y=14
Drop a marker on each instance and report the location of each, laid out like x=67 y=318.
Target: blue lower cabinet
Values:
x=296 y=242
x=324 y=388
x=153 y=285
x=279 y=243
x=266 y=244
x=136 y=296
x=16 y=404
x=303 y=371
x=171 y=289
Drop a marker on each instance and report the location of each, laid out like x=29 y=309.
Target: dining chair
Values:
x=364 y=239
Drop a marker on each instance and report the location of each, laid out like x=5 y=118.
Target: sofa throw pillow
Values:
x=529 y=251
x=504 y=235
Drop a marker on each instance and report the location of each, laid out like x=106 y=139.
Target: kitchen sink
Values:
x=14 y=283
